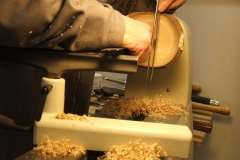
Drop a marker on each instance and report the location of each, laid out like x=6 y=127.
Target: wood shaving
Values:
x=134 y=151
x=128 y=107
x=70 y=116
x=59 y=148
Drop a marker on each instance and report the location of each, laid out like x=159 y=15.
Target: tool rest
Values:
x=55 y=62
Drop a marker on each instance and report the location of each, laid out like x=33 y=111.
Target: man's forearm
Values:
x=72 y=24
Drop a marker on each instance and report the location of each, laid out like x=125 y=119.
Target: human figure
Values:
x=77 y=24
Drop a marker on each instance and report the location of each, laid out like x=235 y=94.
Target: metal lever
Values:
x=153 y=42
x=9 y=123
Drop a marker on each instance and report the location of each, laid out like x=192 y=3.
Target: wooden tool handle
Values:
x=215 y=109
x=196 y=89
x=202 y=126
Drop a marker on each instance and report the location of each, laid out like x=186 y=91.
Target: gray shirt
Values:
x=71 y=24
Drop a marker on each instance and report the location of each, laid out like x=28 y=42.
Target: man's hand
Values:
x=165 y=5
x=137 y=38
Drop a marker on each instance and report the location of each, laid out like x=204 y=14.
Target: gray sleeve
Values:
x=71 y=24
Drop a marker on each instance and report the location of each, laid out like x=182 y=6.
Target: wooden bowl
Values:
x=170 y=38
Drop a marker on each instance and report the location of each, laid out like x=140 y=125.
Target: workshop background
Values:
x=215 y=30
x=215 y=38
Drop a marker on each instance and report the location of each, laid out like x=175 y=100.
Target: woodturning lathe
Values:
x=100 y=133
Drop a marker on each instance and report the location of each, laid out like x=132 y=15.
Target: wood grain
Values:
x=170 y=38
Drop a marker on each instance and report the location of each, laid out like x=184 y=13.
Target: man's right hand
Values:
x=137 y=38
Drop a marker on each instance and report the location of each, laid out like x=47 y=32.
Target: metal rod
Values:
x=153 y=43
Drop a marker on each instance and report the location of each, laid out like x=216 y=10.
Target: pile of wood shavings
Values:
x=158 y=106
x=59 y=148
x=71 y=116
x=134 y=151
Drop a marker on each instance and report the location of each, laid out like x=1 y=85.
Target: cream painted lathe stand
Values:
x=101 y=133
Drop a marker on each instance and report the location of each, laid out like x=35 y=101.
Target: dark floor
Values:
x=14 y=143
